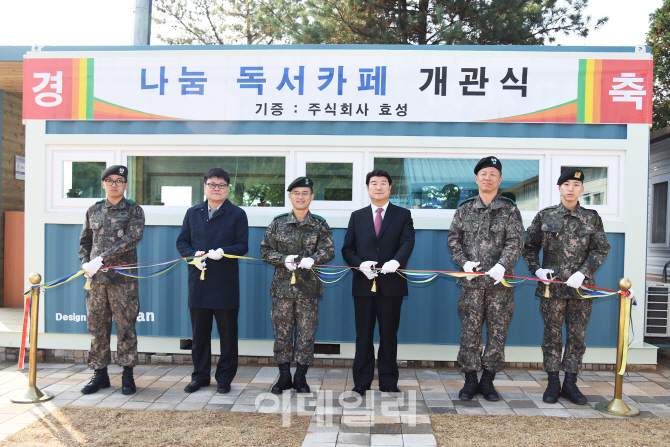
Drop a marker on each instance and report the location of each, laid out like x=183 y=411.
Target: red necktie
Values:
x=378 y=221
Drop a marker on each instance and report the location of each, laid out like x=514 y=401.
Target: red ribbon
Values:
x=26 y=313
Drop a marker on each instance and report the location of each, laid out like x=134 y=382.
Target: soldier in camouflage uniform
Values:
x=486 y=232
x=575 y=246
x=296 y=239
x=111 y=232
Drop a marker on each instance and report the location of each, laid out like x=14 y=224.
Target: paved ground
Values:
x=338 y=418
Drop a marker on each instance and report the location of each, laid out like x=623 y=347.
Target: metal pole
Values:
x=617 y=407
x=142 y=22
x=33 y=394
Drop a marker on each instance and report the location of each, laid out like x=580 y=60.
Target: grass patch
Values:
x=76 y=426
x=489 y=431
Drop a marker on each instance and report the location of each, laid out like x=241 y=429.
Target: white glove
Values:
x=575 y=280
x=93 y=266
x=306 y=263
x=288 y=262
x=542 y=274
x=390 y=266
x=198 y=253
x=632 y=293
x=469 y=267
x=366 y=268
x=497 y=273
x=215 y=254
x=202 y=265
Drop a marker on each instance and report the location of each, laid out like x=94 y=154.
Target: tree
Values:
x=451 y=22
x=423 y=22
x=225 y=22
x=659 y=41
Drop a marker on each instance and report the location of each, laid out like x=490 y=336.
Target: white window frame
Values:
x=613 y=164
x=358 y=192
x=665 y=178
x=210 y=151
x=467 y=153
x=55 y=178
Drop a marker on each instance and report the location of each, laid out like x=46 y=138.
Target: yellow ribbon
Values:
x=626 y=328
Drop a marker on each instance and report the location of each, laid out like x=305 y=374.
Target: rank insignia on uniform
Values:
x=120 y=233
x=578 y=174
x=121 y=171
x=493 y=160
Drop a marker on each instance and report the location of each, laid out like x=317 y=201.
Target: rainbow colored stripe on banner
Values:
x=82 y=88
x=589 y=90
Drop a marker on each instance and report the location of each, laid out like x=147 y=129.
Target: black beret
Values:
x=488 y=162
x=571 y=174
x=115 y=170
x=304 y=182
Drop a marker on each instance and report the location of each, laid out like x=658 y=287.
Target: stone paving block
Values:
x=586 y=413
x=11 y=428
x=499 y=404
x=512 y=396
x=528 y=411
x=243 y=408
x=136 y=405
x=386 y=429
x=190 y=406
x=557 y=412
x=315 y=427
x=388 y=440
x=346 y=427
x=353 y=438
x=470 y=410
x=467 y=403
x=417 y=429
x=162 y=406
x=110 y=403
x=218 y=407
x=419 y=440
x=321 y=437
x=521 y=404
x=493 y=411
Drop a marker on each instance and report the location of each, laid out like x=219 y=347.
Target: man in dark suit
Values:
x=213 y=228
x=381 y=234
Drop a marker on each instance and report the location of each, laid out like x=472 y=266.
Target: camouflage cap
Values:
x=571 y=174
x=115 y=170
x=488 y=162
x=304 y=182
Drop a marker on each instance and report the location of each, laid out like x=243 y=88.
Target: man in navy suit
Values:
x=379 y=239
x=215 y=227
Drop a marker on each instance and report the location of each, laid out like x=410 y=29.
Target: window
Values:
x=81 y=179
x=659 y=213
x=595 y=186
x=178 y=181
x=332 y=181
x=436 y=183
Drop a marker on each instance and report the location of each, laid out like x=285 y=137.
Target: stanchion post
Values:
x=33 y=394
x=617 y=407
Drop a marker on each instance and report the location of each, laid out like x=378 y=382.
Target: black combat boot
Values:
x=100 y=380
x=469 y=390
x=486 y=387
x=285 y=381
x=553 y=390
x=299 y=380
x=127 y=381
x=570 y=390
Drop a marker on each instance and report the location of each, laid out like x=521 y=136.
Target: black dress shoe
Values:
x=193 y=386
x=361 y=389
x=223 y=388
x=389 y=389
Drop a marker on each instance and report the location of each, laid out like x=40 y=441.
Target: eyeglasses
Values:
x=300 y=193
x=216 y=185
x=110 y=182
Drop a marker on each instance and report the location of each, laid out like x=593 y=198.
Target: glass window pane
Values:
x=595 y=186
x=438 y=183
x=332 y=181
x=254 y=181
x=659 y=216
x=81 y=179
